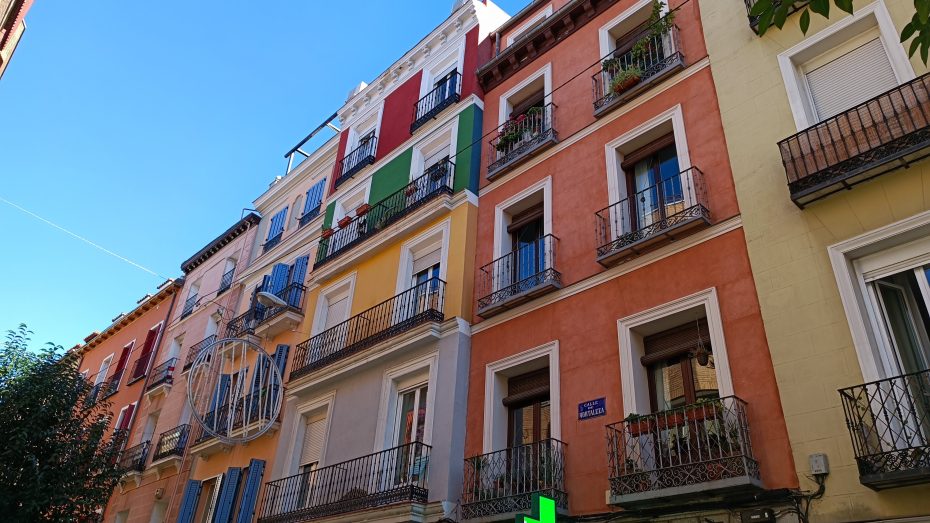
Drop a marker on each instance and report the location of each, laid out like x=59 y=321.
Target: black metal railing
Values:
x=171 y=443
x=270 y=243
x=246 y=322
x=420 y=304
x=654 y=55
x=163 y=373
x=233 y=415
x=754 y=20
x=652 y=211
x=195 y=349
x=889 y=423
x=111 y=385
x=447 y=93
x=189 y=305
x=226 y=281
x=94 y=394
x=846 y=149
x=519 y=273
x=520 y=137
x=436 y=180
x=133 y=459
x=690 y=445
x=504 y=482
x=391 y=476
x=308 y=216
x=357 y=159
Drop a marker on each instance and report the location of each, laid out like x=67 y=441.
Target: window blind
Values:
x=851 y=79
x=312 y=450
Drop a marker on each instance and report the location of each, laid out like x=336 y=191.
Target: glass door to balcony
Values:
x=529 y=422
x=655 y=184
x=411 y=462
x=529 y=253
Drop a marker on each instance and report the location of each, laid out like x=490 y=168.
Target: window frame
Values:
x=399 y=379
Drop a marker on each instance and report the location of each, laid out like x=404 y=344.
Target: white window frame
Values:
x=449 y=133
x=879 y=251
x=435 y=68
x=502 y=217
x=616 y=190
x=399 y=379
x=517 y=33
x=426 y=240
x=210 y=507
x=606 y=41
x=504 y=106
x=104 y=369
x=314 y=407
x=340 y=211
x=495 y=390
x=790 y=60
x=337 y=289
x=634 y=376
x=362 y=126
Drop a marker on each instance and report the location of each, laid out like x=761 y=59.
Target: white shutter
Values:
x=425 y=260
x=336 y=312
x=312 y=450
x=851 y=79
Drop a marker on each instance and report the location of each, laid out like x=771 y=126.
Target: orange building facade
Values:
x=619 y=362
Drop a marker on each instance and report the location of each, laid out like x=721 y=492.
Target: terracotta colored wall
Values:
x=399 y=107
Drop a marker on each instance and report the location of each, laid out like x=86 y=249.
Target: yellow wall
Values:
x=807 y=329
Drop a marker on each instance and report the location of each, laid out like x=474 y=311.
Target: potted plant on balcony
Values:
x=344 y=222
x=362 y=209
x=327 y=232
x=510 y=133
x=410 y=190
x=625 y=79
x=638 y=424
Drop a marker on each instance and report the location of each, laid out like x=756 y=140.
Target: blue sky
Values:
x=148 y=126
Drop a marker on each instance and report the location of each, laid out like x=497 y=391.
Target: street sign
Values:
x=592 y=409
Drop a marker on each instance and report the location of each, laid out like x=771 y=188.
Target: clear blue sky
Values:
x=147 y=127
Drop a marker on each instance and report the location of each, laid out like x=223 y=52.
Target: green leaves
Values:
x=775 y=13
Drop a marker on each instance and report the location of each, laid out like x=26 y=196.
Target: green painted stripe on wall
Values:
x=328 y=218
x=468 y=150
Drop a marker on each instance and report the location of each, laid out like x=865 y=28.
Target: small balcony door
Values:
x=529 y=421
x=654 y=184
x=410 y=463
x=529 y=253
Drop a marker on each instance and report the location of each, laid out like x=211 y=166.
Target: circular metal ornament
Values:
x=234 y=389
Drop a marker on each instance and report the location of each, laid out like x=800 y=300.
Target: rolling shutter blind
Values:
x=336 y=313
x=675 y=341
x=426 y=260
x=312 y=450
x=851 y=79
x=526 y=387
x=253 y=483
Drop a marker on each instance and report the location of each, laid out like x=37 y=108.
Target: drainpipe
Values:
x=497 y=43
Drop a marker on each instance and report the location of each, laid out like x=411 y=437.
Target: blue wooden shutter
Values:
x=278 y=278
x=314 y=198
x=253 y=483
x=298 y=274
x=277 y=223
x=226 y=502
x=189 y=501
x=219 y=395
x=280 y=357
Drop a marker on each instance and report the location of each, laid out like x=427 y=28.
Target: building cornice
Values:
x=204 y=254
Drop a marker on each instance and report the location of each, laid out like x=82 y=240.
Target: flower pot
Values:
x=626 y=84
x=327 y=233
x=362 y=209
x=344 y=222
x=640 y=427
x=411 y=190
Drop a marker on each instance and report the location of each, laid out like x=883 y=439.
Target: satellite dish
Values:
x=270 y=300
x=234 y=390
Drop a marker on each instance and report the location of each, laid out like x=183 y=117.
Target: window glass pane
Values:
x=545 y=420
x=421 y=415
x=670 y=385
x=405 y=418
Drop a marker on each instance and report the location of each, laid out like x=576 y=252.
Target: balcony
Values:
x=195 y=349
x=518 y=277
x=889 y=423
x=444 y=95
x=885 y=133
x=393 y=476
x=272 y=242
x=499 y=485
x=189 y=305
x=133 y=459
x=170 y=447
x=754 y=20
x=435 y=181
x=623 y=77
x=520 y=138
x=226 y=281
x=357 y=159
x=94 y=395
x=416 y=306
x=268 y=322
x=308 y=216
x=672 y=208
x=693 y=454
x=111 y=385
x=161 y=378
x=246 y=411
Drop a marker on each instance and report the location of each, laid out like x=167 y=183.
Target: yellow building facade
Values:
x=826 y=133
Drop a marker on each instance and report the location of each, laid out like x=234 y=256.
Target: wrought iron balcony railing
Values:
x=446 y=94
x=226 y=281
x=754 y=20
x=889 y=423
x=195 y=349
x=111 y=385
x=875 y=137
x=520 y=138
x=504 y=482
x=518 y=276
x=656 y=455
x=94 y=394
x=357 y=159
x=189 y=305
x=163 y=373
x=272 y=242
x=308 y=216
x=418 y=305
x=246 y=323
x=666 y=210
x=436 y=180
x=654 y=57
x=133 y=459
x=171 y=443
x=391 y=476
x=243 y=412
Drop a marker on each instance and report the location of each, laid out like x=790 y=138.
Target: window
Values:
x=313 y=202
x=229 y=270
x=275 y=229
x=529 y=417
x=121 y=362
x=844 y=65
x=192 y=295
x=148 y=350
x=104 y=367
x=411 y=415
x=652 y=178
x=311 y=452
x=680 y=365
x=151 y=422
x=531 y=24
x=210 y=491
x=903 y=300
x=124 y=419
x=175 y=350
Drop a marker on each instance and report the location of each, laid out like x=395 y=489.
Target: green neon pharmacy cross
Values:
x=543 y=511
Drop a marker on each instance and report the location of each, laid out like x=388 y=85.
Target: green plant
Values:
x=609 y=64
x=659 y=26
x=625 y=78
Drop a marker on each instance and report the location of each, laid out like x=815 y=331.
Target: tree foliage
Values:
x=57 y=462
x=775 y=13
